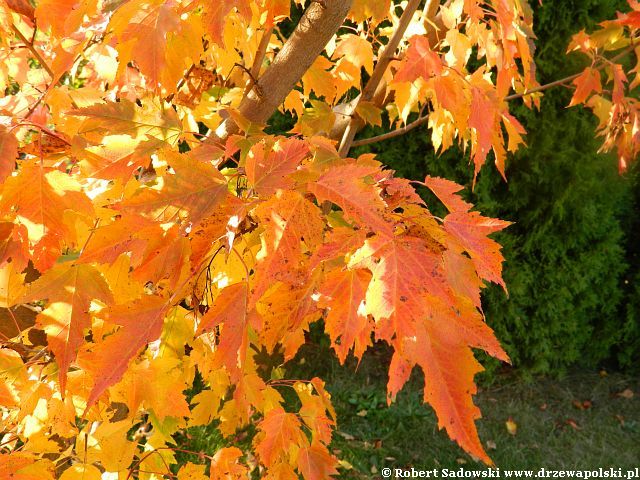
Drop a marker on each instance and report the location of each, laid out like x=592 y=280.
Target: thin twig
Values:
x=570 y=78
x=261 y=53
x=33 y=50
x=378 y=73
x=392 y=134
x=93 y=230
x=422 y=120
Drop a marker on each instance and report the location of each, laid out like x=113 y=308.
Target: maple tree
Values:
x=152 y=232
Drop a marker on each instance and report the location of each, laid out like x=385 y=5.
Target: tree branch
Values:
x=570 y=78
x=346 y=111
x=261 y=53
x=423 y=119
x=392 y=134
x=316 y=27
x=33 y=50
x=378 y=73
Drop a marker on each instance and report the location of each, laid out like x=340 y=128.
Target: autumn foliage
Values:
x=151 y=232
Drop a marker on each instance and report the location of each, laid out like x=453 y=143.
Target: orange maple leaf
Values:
x=290 y=221
x=469 y=233
x=74 y=287
x=587 y=83
x=268 y=172
x=345 y=185
x=230 y=311
x=346 y=321
x=280 y=430
x=8 y=153
x=316 y=463
x=141 y=323
x=419 y=62
x=197 y=187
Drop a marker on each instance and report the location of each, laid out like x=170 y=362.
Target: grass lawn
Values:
x=584 y=421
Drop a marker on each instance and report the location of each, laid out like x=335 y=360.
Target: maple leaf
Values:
x=129 y=234
x=268 y=172
x=289 y=219
x=356 y=50
x=406 y=275
x=469 y=233
x=345 y=186
x=462 y=276
x=42 y=196
x=14 y=245
x=225 y=465
x=316 y=463
x=223 y=223
x=23 y=466
x=8 y=153
x=587 y=83
x=108 y=444
x=347 y=322
x=158 y=384
x=446 y=191
x=417 y=311
x=319 y=80
x=118 y=156
x=191 y=471
x=420 y=61
x=70 y=290
x=483 y=121
x=337 y=243
x=81 y=472
x=230 y=310
x=281 y=471
x=449 y=368
x=316 y=412
x=361 y=10
x=145 y=30
x=279 y=431
x=127 y=118
x=197 y=187
x=23 y=7
x=619 y=80
x=64 y=17
x=141 y=323
x=215 y=14
x=284 y=312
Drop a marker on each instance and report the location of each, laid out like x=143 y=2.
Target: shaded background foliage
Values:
x=572 y=255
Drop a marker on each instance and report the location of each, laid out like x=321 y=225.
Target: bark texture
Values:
x=320 y=22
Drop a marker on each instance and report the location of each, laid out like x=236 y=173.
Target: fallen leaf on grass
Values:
x=572 y=423
x=582 y=405
x=512 y=427
x=491 y=445
x=346 y=436
x=627 y=394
